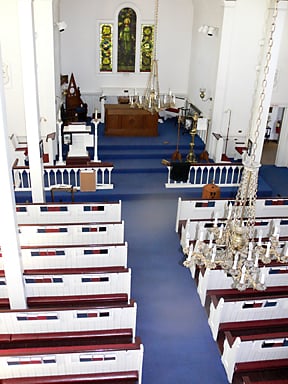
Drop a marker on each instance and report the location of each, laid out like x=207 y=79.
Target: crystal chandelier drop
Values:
x=152 y=100
x=231 y=245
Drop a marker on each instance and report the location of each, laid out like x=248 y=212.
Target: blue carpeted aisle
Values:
x=178 y=345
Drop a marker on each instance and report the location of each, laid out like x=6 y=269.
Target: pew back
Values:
x=207 y=209
x=74 y=234
x=37 y=362
x=68 y=213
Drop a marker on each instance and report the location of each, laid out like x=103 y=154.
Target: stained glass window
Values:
x=106 y=35
x=126 y=40
x=147 y=47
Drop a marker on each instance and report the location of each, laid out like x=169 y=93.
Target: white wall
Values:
x=204 y=53
x=11 y=56
x=79 y=43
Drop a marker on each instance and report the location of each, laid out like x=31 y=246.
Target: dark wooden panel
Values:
x=122 y=120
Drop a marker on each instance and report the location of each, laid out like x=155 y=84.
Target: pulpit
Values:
x=78 y=137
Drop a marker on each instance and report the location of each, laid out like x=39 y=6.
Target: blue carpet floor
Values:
x=178 y=345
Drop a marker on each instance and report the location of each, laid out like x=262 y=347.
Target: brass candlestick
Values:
x=191 y=157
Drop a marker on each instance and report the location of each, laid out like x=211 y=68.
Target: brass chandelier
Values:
x=231 y=246
x=152 y=100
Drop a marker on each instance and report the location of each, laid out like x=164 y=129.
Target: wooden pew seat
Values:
x=128 y=377
x=75 y=338
x=268 y=369
x=214 y=295
x=77 y=300
x=252 y=328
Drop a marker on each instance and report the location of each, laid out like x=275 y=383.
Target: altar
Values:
x=123 y=120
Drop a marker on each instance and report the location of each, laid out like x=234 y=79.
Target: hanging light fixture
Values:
x=231 y=246
x=152 y=100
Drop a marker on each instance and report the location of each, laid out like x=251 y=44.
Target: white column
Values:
x=29 y=70
x=9 y=239
x=59 y=138
x=279 y=23
x=102 y=102
x=218 y=121
x=96 y=122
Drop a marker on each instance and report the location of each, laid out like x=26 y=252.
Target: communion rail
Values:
x=222 y=174
x=64 y=176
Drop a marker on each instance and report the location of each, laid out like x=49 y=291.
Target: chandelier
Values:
x=232 y=245
x=152 y=100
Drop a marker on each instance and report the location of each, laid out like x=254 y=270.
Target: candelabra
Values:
x=191 y=157
x=152 y=100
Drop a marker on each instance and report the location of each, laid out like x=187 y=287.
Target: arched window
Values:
x=127 y=20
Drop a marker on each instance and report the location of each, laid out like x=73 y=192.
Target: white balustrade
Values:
x=224 y=175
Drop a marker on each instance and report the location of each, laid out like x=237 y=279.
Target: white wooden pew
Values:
x=41 y=362
x=57 y=234
x=243 y=310
x=267 y=348
x=68 y=283
x=207 y=209
x=68 y=213
x=193 y=228
x=68 y=320
x=217 y=279
x=68 y=256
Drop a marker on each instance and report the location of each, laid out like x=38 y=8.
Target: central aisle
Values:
x=178 y=345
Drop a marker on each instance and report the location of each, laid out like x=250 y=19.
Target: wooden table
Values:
x=122 y=120
x=62 y=188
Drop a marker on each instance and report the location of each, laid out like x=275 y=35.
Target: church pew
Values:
x=68 y=212
x=276 y=274
x=70 y=360
x=123 y=377
x=268 y=346
x=265 y=226
x=61 y=339
x=36 y=302
x=74 y=281
x=73 y=233
x=206 y=209
x=269 y=372
x=229 y=305
x=43 y=323
x=67 y=256
x=250 y=327
x=271 y=376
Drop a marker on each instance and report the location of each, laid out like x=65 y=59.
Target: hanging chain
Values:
x=156 y=14
x=264 y=81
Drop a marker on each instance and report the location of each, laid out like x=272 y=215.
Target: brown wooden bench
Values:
x=268 y=369
x=57 y=339
x=127 y=377
x=72 y=271
x=77 y=301
x=265 y=378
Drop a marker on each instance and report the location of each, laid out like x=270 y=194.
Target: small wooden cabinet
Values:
x=211 y=192
x=122 y=120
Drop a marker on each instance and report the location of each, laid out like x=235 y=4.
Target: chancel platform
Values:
x=123 y=120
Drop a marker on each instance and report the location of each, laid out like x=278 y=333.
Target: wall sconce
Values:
x=208 y=30
x=202 y=95
x=61 y=25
